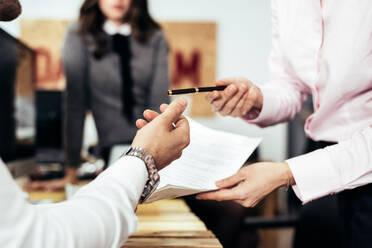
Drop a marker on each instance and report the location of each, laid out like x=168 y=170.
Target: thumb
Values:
x=230 y=181
x=174 y=110
x=222 y=82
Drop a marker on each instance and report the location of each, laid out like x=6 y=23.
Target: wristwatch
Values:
x=154 y=178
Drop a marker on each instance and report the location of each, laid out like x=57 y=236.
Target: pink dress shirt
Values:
x=324 y=49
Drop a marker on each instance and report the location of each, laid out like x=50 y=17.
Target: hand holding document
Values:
x=212 y=155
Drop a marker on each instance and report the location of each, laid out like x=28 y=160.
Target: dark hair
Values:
x=91 y=20
x=9 y=10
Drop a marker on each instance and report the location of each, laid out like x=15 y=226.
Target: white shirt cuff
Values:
x=268 y=108
x=314 y=175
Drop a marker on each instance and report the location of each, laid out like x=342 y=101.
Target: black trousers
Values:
x=355 y=207
x=342 y=220
x=319 y=223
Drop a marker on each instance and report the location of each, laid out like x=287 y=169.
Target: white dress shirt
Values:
x=111 y=28
x=101 y=214
x=323 y=48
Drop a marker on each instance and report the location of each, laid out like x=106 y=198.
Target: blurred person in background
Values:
x=116 y=65
x=312 y=56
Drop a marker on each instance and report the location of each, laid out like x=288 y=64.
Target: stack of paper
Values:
x=212 y=155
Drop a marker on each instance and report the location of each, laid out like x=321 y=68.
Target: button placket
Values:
x=316 y=103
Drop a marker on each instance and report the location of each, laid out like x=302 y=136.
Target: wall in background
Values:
x=243 y=45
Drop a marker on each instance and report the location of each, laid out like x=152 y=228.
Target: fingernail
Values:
x=218 y=183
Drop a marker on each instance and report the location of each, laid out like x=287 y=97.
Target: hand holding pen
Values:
x=241 y=98
x=236 y=97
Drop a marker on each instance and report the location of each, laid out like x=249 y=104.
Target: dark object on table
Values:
x=47 y=172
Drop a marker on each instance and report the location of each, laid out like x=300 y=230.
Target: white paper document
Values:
x=212 y=155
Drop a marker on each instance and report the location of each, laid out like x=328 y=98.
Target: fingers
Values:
x=226 y=95
x=239 y=97
x=212 y=96
x=230 y=181
x=223 y=82
x=247 y=106
x=219 y=195
x=174 y=111
x=240 y=107
x=140 y=123
x=232 y=104
x=150 y=115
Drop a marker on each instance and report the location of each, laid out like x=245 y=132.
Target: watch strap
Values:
x=153 y=176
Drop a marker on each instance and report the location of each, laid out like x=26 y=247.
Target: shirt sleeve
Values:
x=75 y=97
x=101 y=214
x=284 y=93
x=346 y=165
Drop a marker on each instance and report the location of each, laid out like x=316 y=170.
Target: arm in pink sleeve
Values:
x=284 y=94
x=346 y=165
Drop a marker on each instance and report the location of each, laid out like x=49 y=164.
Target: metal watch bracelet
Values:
x=153 y=176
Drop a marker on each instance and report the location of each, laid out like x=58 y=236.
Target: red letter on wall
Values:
x=186 y=70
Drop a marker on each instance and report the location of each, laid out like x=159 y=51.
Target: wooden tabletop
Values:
x=162 y=224
x=170 y=223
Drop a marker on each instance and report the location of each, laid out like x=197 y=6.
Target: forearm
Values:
x=281 y=102
x=101 y=214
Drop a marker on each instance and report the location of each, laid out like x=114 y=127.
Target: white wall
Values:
x=243 y=40
x=243 y=45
